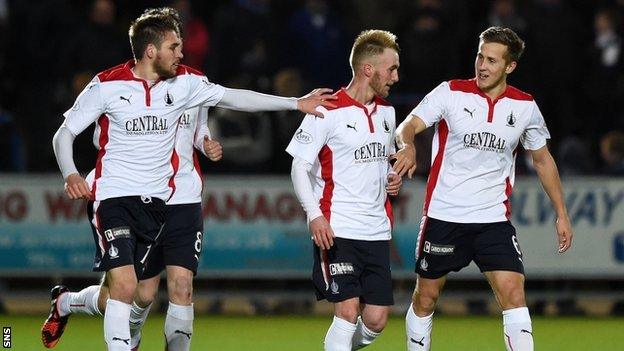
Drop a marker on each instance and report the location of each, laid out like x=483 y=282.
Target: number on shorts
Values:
x=198 y=242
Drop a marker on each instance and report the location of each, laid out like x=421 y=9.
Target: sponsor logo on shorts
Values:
x=113 y=252
x=341 y=268
x=439 y=250
x=424 y=264
x=334 y=287
x=117 y=233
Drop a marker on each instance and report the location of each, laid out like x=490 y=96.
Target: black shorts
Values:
x=180 y=243
x=354 y=268
x=125 y=230
x=446 y=246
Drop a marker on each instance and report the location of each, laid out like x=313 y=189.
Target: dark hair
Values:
x=507 y=37
x=151 y=27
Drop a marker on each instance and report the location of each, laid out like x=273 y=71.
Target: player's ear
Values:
x=511 y=66
x=150 y=51
x=368 y=70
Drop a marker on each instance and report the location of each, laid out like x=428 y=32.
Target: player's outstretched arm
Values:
x=549 y=177
x=75 y=186
x=251 y=101
x=406 y=156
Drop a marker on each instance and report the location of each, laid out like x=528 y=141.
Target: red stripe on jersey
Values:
x=327 y=171
x=389 y=212
x=470 y=86
x=175 y=163
x=197 y=167
x=437 y=164
x=508 y=191
x=104 y=123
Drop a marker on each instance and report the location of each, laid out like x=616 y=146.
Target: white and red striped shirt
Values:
x=136 y=127
x=349 y=150
x=474 y=149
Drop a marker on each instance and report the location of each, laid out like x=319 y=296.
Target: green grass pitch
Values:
x=307 y=333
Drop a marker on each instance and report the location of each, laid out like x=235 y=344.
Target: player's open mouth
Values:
x=482 y=76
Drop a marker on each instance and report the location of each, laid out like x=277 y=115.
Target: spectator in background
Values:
x=504 y=13
x=97 y=45
x=287 y=81
x=195 y=33
x=612 y=152
x=12 y=158
x=605 y=80
x=552 y=24
x=320 y=47
x=243 y=35
x=429 y=55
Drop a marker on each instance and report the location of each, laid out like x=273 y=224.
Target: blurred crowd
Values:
x=573 y=66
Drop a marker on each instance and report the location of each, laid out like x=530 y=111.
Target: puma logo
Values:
x=353 y=126
x=421 y=342
x=126 y=341
x=526 y=331
x=127 y=99
x=188 y=335
x=469 y=112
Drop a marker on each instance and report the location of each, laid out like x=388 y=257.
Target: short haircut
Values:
x=507 y=37
x=371 y=43
x=151 y=28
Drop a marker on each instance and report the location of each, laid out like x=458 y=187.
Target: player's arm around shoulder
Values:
x=549 y=177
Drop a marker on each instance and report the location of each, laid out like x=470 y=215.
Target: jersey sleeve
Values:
x=87 y=108
x=433 y=107
x=311 y=136
x=536 y=133
x=204 y=92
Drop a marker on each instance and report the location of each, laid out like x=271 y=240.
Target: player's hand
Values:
x=405 y=161
x=564 y=233
x=322 y=233
x=317 y=97
x=394 y=184
x=76 y=187
x=213 y=149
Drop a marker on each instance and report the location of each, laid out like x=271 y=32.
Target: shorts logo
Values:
x=341 y=268
x=424 y=265
x=334 y=287
x=303 y=137
x=113 y=252
x=439 y=250
x=117 y=233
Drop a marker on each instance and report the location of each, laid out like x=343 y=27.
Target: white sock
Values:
x=84 y=302
x=418 y=331
x=179 y=327
x=116 y=329
x=362 y=336
x=339 y=335
x=517 y=329
x=138 y=315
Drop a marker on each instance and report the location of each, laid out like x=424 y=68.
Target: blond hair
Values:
x=371 y=43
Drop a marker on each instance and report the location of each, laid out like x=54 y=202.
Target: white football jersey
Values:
x=187 y=180
x=474 y=149
x=349 y=150
x=136 y=127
